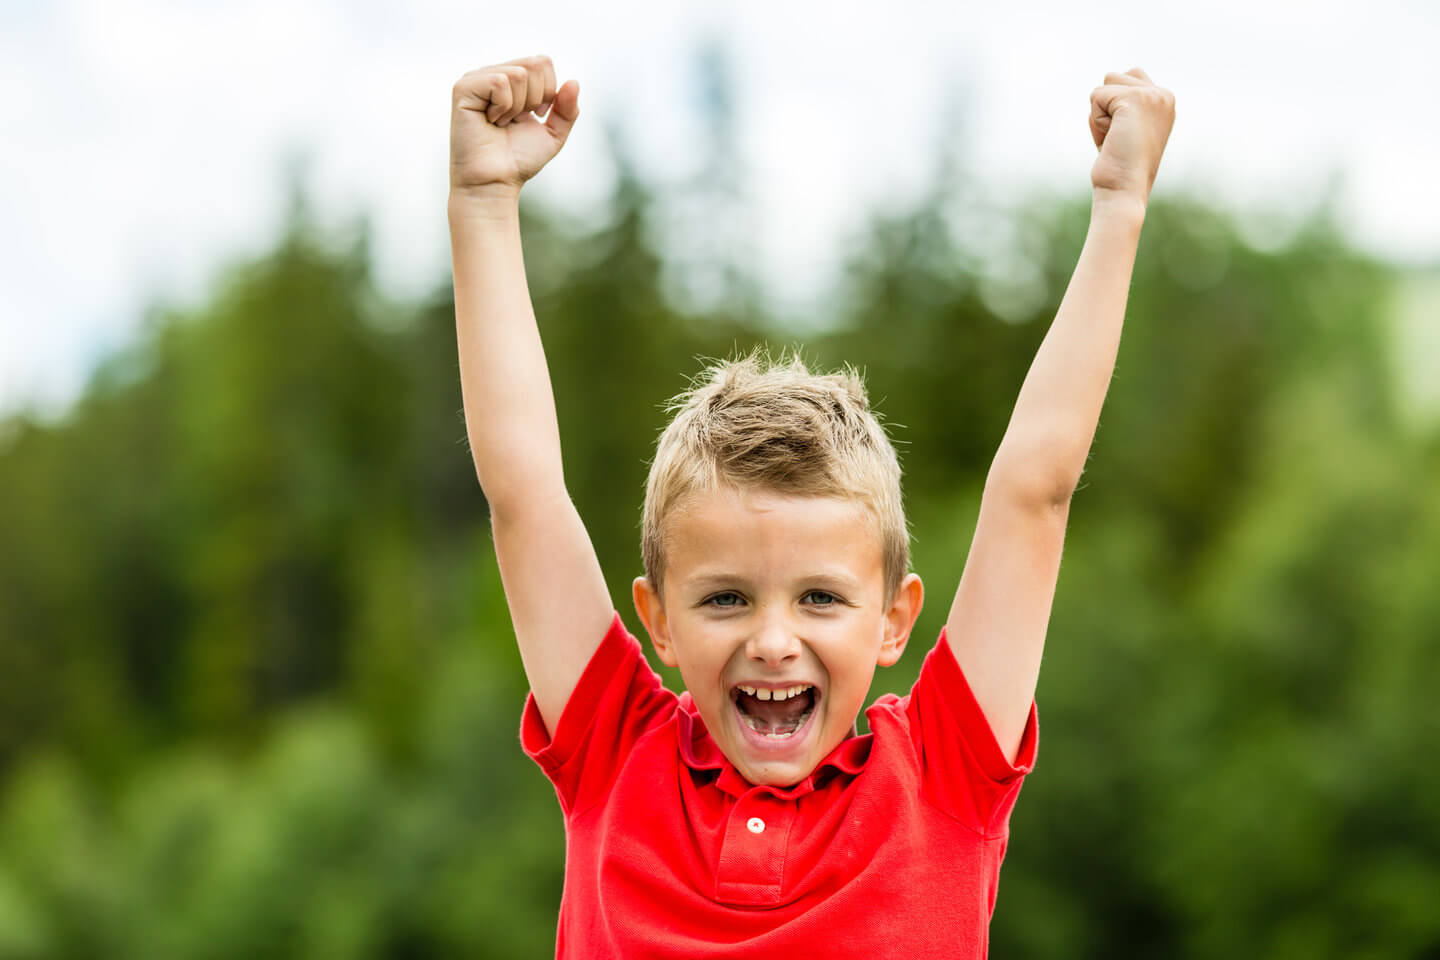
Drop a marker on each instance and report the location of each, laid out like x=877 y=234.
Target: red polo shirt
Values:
x=892 y=847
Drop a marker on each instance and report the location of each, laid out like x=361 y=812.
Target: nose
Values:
x=774 y=641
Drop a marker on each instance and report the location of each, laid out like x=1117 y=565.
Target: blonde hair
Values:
x=754 y=423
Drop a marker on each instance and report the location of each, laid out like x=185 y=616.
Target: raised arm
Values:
x=997 y=624
x=553 y=584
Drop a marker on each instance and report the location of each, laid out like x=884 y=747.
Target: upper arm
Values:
x=997 y=623
x=556 y=593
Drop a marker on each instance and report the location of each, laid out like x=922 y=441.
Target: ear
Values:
x=651 y=609
x=900 y=619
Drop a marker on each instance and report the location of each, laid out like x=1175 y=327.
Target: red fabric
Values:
x=892 y=847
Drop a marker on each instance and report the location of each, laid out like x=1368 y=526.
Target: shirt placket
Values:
x=751 y=871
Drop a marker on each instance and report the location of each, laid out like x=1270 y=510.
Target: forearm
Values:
x=509 y=407
x=1058 y=409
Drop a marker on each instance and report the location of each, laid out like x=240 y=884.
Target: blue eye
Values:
x=715 y=600
x=828 y=599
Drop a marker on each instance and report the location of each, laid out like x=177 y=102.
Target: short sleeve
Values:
x=964 y=769
x=617 y=700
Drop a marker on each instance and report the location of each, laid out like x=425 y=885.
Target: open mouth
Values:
x=776 y=714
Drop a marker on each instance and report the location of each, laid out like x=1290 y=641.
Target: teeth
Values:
x=785 y=735
x=785 y=693
x=754 y=724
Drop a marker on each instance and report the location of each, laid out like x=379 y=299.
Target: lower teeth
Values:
x=753 y=723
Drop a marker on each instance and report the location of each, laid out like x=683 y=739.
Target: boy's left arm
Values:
x=997 y=624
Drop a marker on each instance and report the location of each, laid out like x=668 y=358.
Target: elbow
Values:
x=528 y=506
x=1043 y=480
x=511 y=493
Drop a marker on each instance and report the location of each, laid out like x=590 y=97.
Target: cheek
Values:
x=702 y=655
x=850 y=662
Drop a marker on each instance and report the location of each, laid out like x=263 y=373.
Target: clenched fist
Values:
x=496 y=141
x=1130 y=120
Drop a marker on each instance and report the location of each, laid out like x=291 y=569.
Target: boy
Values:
x=746 y=817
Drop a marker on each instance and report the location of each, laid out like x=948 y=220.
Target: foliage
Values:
x=258 y=691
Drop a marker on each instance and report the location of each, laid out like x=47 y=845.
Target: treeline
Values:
x=258 y=689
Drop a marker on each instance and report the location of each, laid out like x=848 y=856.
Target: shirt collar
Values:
x=701 y=753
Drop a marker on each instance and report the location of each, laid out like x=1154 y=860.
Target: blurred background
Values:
x=258 y=688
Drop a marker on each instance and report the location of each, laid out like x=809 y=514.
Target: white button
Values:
x=755 y=825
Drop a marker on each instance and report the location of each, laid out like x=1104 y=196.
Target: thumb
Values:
x=563 y=110
x=1104 y=102
x=1099 y=126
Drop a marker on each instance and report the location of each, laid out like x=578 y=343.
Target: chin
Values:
x=777 y=774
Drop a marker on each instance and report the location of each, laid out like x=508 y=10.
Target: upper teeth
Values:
x=760 y=693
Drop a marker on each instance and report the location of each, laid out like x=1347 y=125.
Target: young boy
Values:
x=745 y=816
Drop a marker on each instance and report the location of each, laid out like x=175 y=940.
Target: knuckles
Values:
x=468 y=83
x=1150 y=96
x=516 y=70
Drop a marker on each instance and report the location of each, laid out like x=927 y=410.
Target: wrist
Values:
x=1117 y=204
x=489 y=203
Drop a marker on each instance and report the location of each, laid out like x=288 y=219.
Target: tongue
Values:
x=777 y=716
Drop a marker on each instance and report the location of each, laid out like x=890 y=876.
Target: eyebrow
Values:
x=721 y=578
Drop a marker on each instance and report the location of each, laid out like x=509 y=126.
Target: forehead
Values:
x=761 y=533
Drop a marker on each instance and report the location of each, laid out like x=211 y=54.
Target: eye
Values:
x=825 y=599
x=724 y=600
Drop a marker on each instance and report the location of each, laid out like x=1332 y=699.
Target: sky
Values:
x=142 y=142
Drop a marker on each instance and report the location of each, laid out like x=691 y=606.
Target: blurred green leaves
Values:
x=258 y=690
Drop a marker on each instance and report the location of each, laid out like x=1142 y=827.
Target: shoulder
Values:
x=617 y=702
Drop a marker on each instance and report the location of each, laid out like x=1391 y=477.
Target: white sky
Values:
x=141 y=140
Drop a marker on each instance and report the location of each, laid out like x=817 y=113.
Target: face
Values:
x=775 y=614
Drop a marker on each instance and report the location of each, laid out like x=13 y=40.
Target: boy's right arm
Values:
x=553 y=584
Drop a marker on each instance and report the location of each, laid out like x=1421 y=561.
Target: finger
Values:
x=499 y=94
x=1099 y=126
x=1127 y=79
x=475 y=90
x=513 y=79
x=1102 y=109
x=535 y=90
x=550 y=88
x=535 y=93
x=520 y=85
